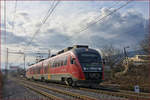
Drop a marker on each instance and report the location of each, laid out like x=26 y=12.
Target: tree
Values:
x=112 y=56
x=145 y=44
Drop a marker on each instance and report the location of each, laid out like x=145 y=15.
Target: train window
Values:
x=71 y=60
x=65 y=62
x=45 y=69
x=53 y=64
x=38 y=70
x=62 y=63
x=59 y=62
x=56 y=63
x=89 y=57
x=48 y=69
x=49 y=65
x=30 y=70
x=33 y=71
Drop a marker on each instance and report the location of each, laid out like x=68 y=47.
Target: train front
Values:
x=91 y=64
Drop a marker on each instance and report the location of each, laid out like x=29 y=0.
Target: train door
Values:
x=73 y=66
x=42 y=70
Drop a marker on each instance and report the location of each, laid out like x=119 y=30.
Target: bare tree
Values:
x=145 y=44
x=112 y=55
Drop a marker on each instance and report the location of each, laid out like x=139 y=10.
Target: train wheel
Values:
x=70 y=81
x=42 y=79
x=74 y=84
x=32 y=78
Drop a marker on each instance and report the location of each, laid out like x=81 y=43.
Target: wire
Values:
x=100 y=15
x=43 y=22
x=50 y=11
x=14 y=17
x=93 y=44
x=101 y=19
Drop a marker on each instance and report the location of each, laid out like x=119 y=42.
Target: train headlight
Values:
x=99 y=68
x=84 y=68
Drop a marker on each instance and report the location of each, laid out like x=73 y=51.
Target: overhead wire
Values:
x=13 y=26
x=13 y=22
x=14 y=17
x=117 y=2
x=50 y=11
x=101 y=19
x=45 y=19
x=43 y=22
x=109 y=8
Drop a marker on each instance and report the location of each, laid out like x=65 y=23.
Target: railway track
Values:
x=50 y=96
x=33 y=86
x=120 y=93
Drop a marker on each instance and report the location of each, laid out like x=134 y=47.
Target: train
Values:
x=74 y=65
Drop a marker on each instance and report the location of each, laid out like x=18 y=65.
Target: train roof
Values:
x=76 y=49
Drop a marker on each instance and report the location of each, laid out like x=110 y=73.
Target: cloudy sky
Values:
x=71 y=22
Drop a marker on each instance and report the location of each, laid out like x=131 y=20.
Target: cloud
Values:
x=53 y=39
x=12 y=39
x=60 y=31
x=128 y=28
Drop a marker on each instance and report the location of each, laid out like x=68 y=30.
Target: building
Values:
x=139 y=59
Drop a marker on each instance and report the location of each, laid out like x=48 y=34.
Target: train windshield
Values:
x=89 y=59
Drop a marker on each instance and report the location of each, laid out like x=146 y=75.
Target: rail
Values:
x=74 y=95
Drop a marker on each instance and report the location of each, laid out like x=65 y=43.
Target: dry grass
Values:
x=136 y=75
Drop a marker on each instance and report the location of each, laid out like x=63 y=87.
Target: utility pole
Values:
x=126 y=60
x=125 y=54
x=24 y=62
x=6 y=66
x=49 y=53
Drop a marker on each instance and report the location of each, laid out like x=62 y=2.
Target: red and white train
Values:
x=73 y=65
